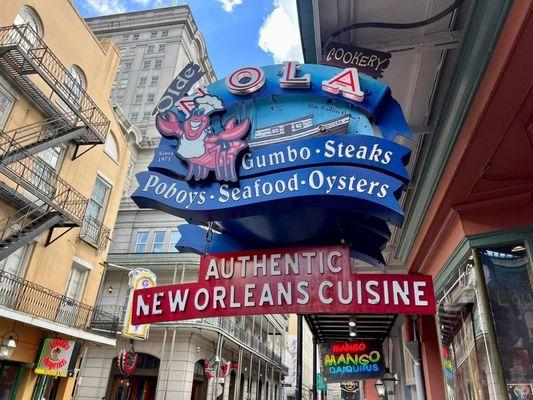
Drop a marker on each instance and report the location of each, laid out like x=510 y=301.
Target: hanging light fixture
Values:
x=352 y=321
x=388 y=381
x=8 y=345
x=380 y=388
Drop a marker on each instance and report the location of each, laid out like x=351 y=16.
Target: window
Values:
x=174 y=237
x=125 y=37
x=150 y=98
x=123 y=83
x=153 y=35
x=98 y=200
x=27 y=15
x=158 y=64
x=138 y=99
x=43 y=174
x=162 y=47
x=134 y=116
x=13 y=263
x=507 y=273
x=6 y=103
x=127 y=66
x=114 y=85
x=75 y=83
x=164 y=33
x=111 y=147
x=142 y=81
x=150 y=49
x=76 y=282
x=146 y=116
x=119 y=100
x=154 y=81
x=136 y=36
x=131 y=51
x=159 y=242
x=146 y=65
x=142 y=242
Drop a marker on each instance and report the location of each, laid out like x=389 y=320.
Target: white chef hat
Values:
x=209 y=104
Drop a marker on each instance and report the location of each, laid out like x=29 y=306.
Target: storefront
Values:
x=473 y=233
x=485 y=319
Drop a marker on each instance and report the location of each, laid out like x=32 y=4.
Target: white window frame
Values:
x=154 y=80
x=162 y=48
x=162 y=244
x=171 y=244
x=138 y=99
x=144 y=244
x=4 y=90
x=150 y=98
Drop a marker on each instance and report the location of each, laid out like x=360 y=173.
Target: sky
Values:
x=237 y=32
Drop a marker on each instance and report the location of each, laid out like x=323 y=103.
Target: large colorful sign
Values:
x=57 y=358
x=303 y=281
x=277 y=156
x=353 y=360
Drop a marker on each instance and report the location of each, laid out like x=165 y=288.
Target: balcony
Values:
x=31 y=65
x=20 y=295
x=95 y=233
x=43 y=182
x=225 y=324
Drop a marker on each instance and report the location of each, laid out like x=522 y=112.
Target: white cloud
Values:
x=228 y=5
x=104 y=7
x=280 y=34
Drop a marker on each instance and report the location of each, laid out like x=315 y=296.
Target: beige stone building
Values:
x=63 y=162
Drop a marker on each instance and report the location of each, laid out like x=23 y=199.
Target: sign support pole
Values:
x=314 y=368
x=236 y=391
x=299 y=357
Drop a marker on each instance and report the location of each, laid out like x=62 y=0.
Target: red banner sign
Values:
x=303 y=281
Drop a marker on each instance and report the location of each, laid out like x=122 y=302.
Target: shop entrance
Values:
x=139 y=385
x=199 y=383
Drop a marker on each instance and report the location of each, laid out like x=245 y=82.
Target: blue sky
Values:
x=237 y=32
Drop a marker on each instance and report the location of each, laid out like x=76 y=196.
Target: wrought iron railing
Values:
x=15 y=223
x=226 y=324
x=23 y=296
x=39 y=132
x=95 y=233
x=43 y=181
x=38 y=58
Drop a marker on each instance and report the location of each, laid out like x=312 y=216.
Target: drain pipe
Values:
x=413 y=348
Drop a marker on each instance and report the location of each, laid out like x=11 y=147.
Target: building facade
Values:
x=63 y=160
x=177 y=358
x=469 y=208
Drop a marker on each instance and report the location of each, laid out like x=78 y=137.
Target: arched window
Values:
x=111 y=147
x=28 y=15
x=27 y=38
x=75 y=83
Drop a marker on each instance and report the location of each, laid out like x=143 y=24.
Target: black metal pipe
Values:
x=299 y=358
x=314 y=368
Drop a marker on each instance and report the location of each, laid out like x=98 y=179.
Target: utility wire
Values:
x=395 y=25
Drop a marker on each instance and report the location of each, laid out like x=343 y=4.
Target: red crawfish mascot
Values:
x=203 y=149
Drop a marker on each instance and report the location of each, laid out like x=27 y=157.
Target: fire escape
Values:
x=40 y=198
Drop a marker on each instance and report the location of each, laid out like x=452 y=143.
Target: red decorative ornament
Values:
x=127 y=362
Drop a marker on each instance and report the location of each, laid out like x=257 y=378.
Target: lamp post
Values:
x=386 y=385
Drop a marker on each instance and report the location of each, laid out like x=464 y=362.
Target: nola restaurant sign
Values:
x=303 y=281
x=277 y=156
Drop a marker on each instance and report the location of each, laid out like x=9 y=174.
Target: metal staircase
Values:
x=28 y=62
x=25 y=225
x=37 y=137
x=44 y=200
x=48 y=201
